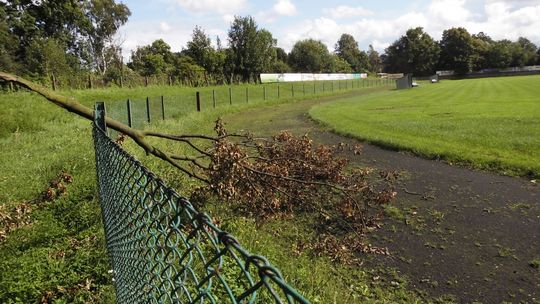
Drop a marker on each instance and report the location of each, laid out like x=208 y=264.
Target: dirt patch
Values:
x=453 y=231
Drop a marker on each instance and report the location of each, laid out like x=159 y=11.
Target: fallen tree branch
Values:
x=74 y=106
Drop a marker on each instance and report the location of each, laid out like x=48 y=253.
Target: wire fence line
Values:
x=162 y=250
x=137 y=112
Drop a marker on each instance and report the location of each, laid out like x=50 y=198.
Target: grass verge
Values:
x=486 y=123
x=58 y=253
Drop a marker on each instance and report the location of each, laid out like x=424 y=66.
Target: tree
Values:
x=46 y=57
x=310 y=56
x=104 y=17
x=30 y=21
x=8 y=43
x=529 y=51
x=281 y=67
x=375 y=61
x=481 y=47
x=340 y=65
x=84 y=29
x=251 y=50
x=456 y=50
x=200 y=50
x=186 y=69
x=500 y=54
x=416 y=53
x=281 y=54
x=347 y=49
x=267 y=51
x=154 y=59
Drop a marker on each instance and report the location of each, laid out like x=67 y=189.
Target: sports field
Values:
x=491 y=123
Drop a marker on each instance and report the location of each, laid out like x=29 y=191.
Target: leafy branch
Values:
x=264 y=176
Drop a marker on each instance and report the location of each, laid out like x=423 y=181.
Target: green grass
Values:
x=180 y=101
x=61 y=252
x=490 y=123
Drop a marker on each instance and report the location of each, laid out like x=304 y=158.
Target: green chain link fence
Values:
x=162 y=250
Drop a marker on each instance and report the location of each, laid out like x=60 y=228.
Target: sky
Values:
x=376 y=22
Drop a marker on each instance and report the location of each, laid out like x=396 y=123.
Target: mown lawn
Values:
x=491 y=123
x=57 y=252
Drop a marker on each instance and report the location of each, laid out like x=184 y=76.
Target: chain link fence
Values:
x=162 y=250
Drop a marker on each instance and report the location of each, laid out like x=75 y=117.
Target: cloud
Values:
x=448 y=13
x=280 y=8
x=284 y=8
x=498 y=18
x=344 y=11
x=379 y=32
x=204 y=6
x=164 y=26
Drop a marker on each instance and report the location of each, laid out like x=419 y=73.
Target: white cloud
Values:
x=164 y=26
x=219 y=6
x=448 y=13
x=280 y=8
x=498 y=18
x=344 y=11
x=284 y=8
x=379 y=32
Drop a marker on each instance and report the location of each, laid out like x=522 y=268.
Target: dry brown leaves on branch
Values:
x=286 y=174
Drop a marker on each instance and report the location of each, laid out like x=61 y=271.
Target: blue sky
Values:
x=378 y=23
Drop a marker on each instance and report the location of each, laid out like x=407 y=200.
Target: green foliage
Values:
x=347 y=49
x=524 y=52
x=46 y=57
x=375 y=61
x=501 y=54
x=481 y=48
x=340 y=65
x=200 y=50
x=466 y=121
x=82 y=31
x=281 y=54
x=281 y=67
x=251 y=51
x=154 y=59
x=416 y=53
x=456 y=50
x=310 y=56
x=104 y=18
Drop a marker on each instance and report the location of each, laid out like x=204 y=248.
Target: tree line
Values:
x=63 y=38
x=418 y=53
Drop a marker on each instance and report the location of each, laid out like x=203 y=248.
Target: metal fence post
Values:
x=230 y=95
x=99 y=116
x=214 y=98
x=247 y=94
x=198 y=98
x=314 y=90
x=278 y=91
x=130 y=118
x=148 y=109
x=162 y=107
x=304 y=88
x=264 y=92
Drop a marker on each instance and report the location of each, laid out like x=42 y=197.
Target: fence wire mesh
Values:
x=162 y=250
